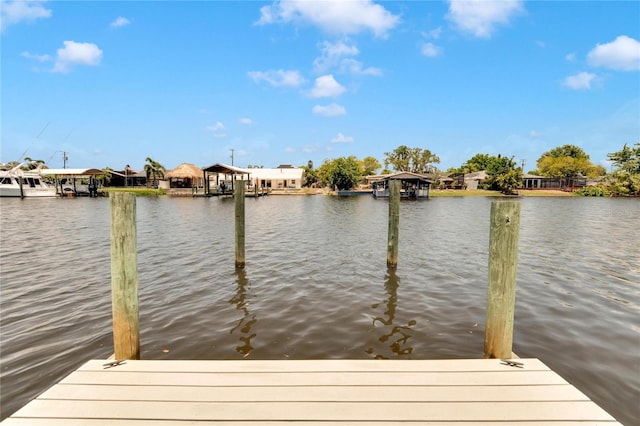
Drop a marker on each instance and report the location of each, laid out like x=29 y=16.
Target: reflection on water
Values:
x=247 y=321
x=396 y=336
x=317 y=281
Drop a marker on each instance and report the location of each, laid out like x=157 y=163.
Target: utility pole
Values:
x=64 y=159
x=232 y=156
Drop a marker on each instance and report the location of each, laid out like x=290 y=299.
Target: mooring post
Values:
x=124 y=276
x=394 y=223
x=20 y=183
x=239 y=203
x=501 y=294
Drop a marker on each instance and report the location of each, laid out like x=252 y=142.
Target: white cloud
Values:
x=480 y=17
x=278 y=78
x=332 y=54
x=340 y=138
x=431 y=50
x=246 y=121
x=331 y=110
x=15 y=12
x=580 y=81
x=120 y=22
x=433 y=34
x=534 y=135
x=74 y=53
x=289 y=149
x=36 y=57
x=216 y=127
x=217 y=130
x=326 y=87
x=340 y=55
x=356 y=68
x=622 y=54
x=336 y=17
x=571 y=57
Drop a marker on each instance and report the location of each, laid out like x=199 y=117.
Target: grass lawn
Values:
x=544 y=193
x=135 y=190
x=484 y=193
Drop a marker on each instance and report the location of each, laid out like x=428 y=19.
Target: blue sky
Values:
x=284 y=82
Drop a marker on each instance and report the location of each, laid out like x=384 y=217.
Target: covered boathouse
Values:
x=219 y=179
x=412 y=185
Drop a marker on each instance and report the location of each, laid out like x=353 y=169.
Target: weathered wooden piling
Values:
x=394 y=223
x=239 y=204
x=501 y=294
x=124 y=276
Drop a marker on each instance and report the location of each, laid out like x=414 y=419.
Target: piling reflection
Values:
x=248 y=320
x=395 y=337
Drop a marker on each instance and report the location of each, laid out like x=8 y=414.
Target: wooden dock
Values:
x=313 y=393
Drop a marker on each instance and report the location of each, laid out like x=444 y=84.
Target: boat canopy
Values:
x=71 y=172
x=226 y=169
x=409 y=177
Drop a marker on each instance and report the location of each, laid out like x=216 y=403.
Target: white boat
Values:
x=24 y=183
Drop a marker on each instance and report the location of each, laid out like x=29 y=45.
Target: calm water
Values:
x=316 y=286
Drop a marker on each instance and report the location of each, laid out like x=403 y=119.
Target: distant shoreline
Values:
x=485 y=193
x=434 y=193
x=437 y=193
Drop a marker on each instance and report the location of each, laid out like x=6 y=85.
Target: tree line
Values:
x=503 y=173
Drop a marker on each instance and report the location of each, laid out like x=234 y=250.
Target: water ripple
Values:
x=316 y=285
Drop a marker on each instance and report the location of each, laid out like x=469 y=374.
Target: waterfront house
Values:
x=473 y=180
x=282 y=177
x=127 y=177
x=529 y=181
x=542 y=182
x=447 y=182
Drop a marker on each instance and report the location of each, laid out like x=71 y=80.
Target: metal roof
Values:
x=71 y=172
x=226 y=169
x=408 y=176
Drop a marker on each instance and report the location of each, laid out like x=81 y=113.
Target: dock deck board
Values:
x=313 y=393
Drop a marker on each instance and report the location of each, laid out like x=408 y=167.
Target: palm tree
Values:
x=154 y=170
x=34 y=164
x=105 y=177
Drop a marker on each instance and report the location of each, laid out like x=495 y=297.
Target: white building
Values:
x=282 y=177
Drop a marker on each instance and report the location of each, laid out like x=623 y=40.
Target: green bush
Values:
x=592 y=191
